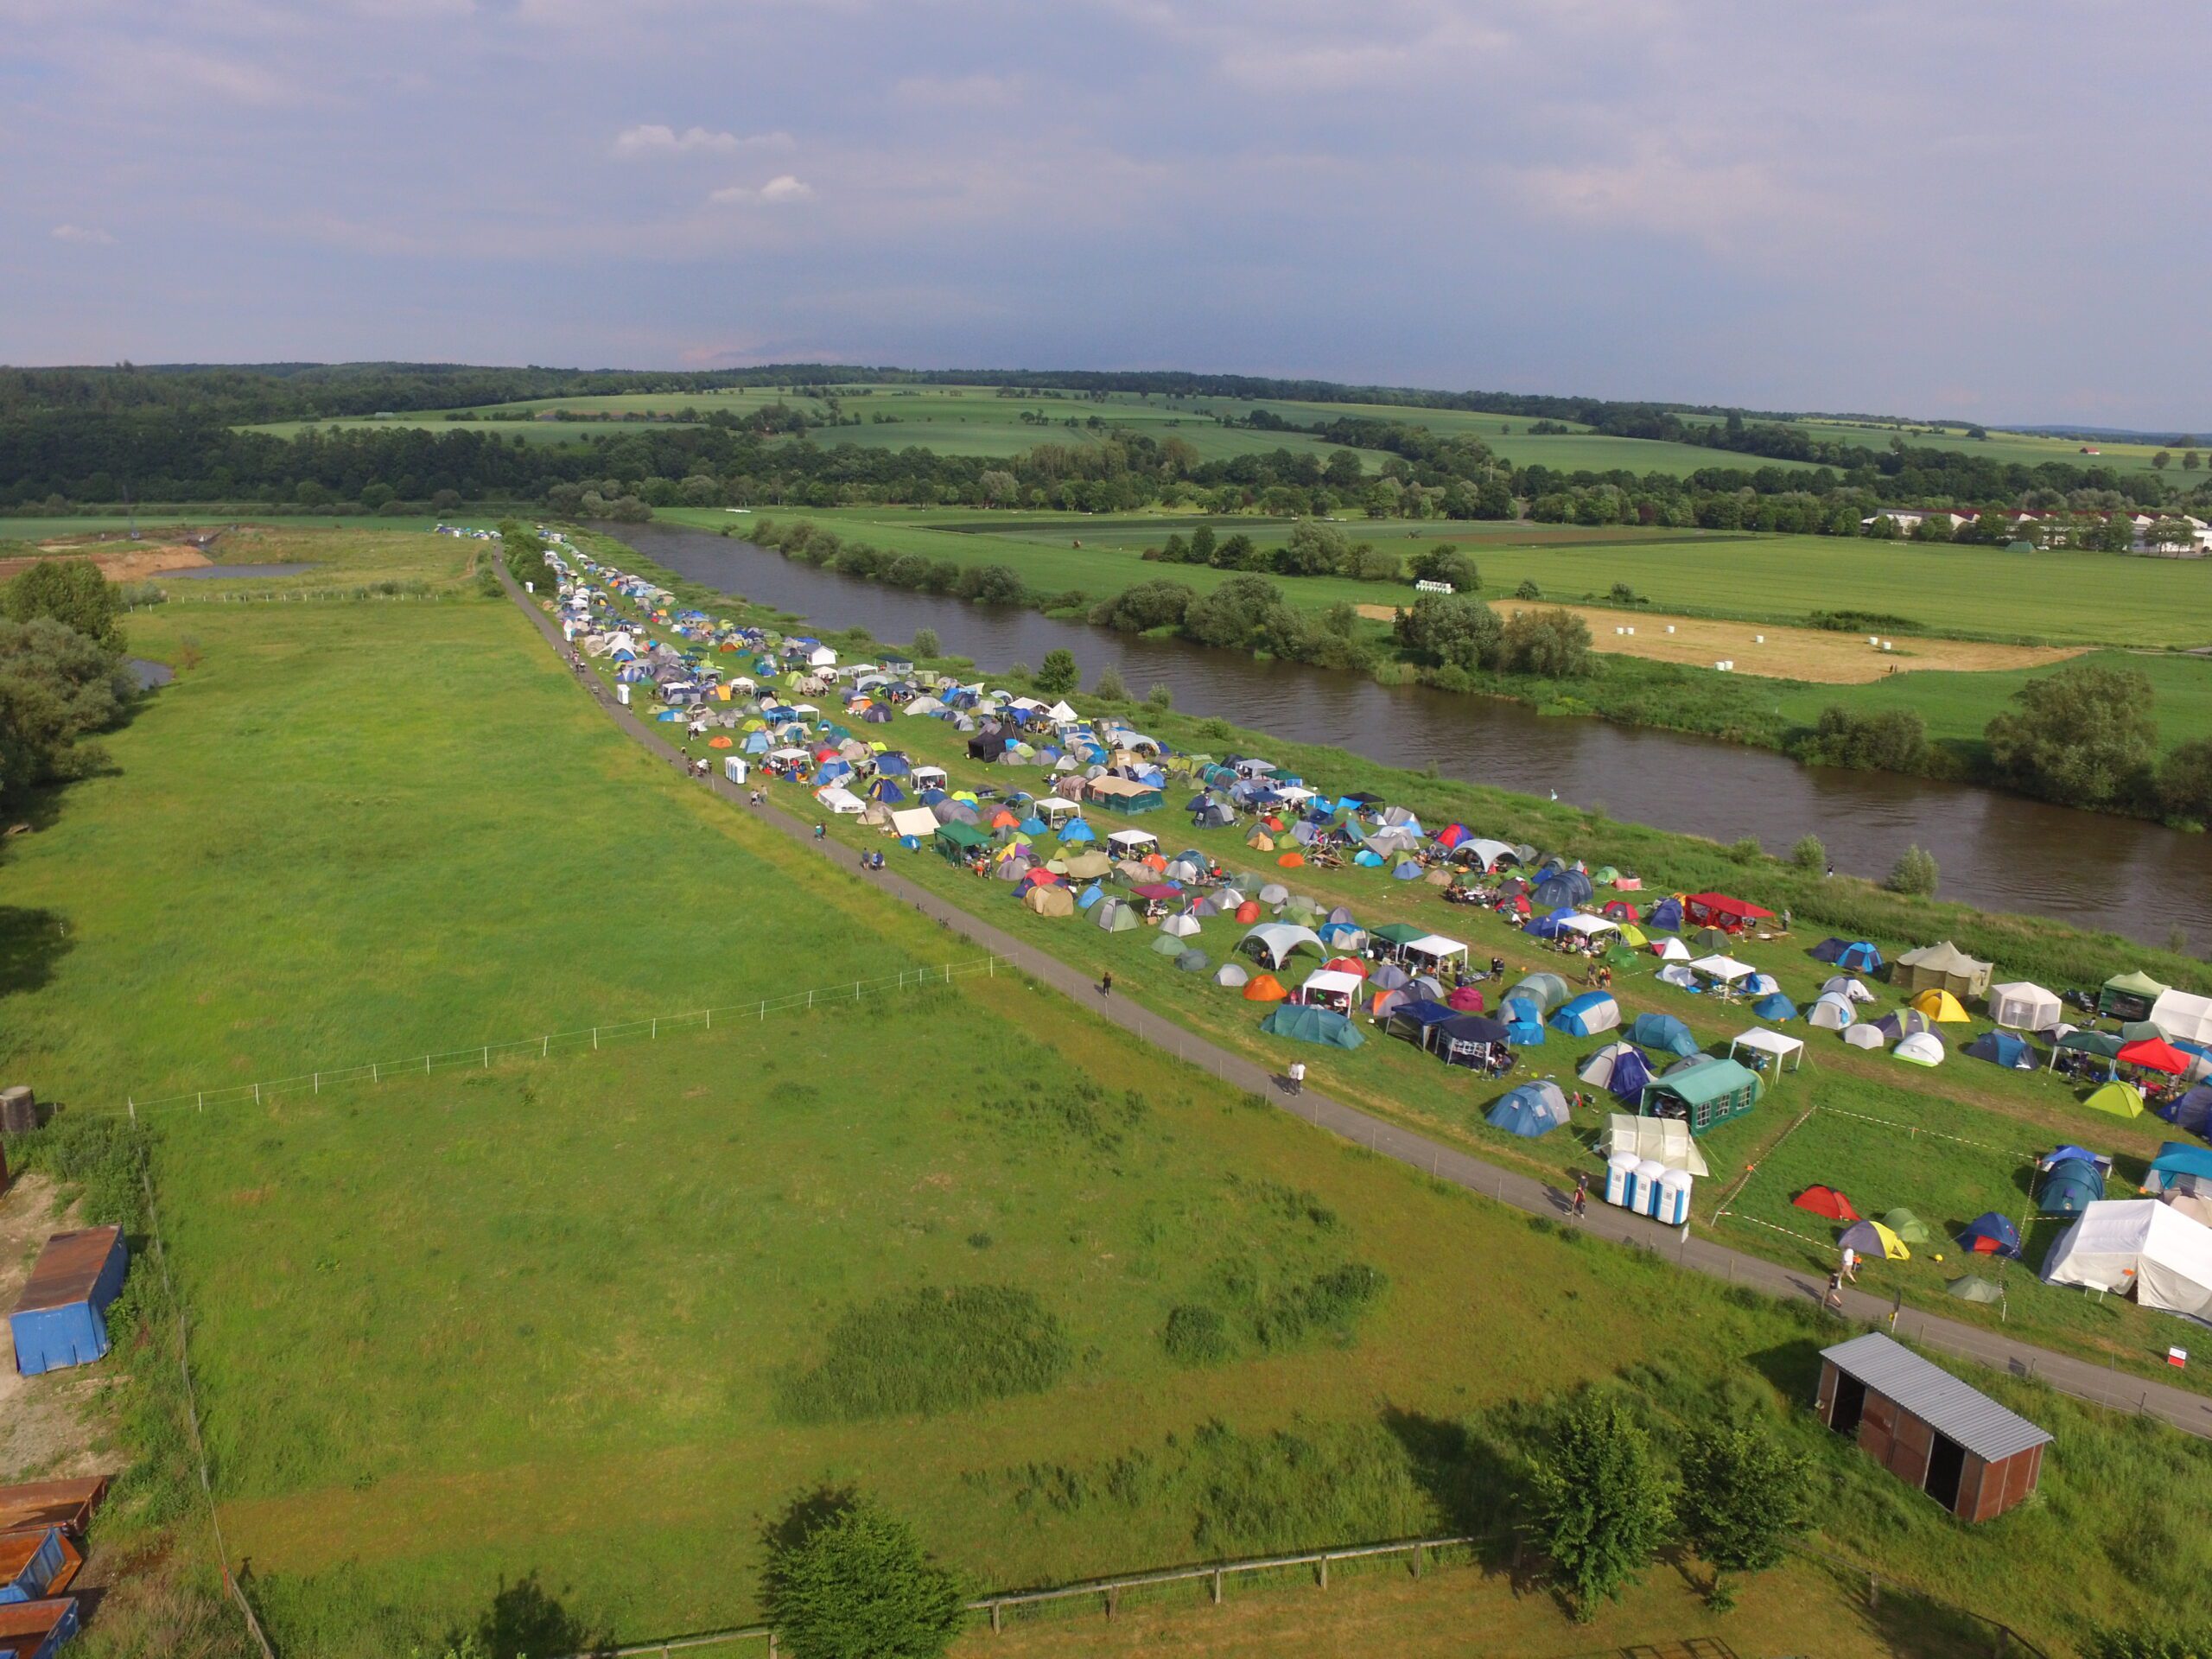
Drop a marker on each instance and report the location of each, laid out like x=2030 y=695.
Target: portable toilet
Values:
x=733 y=769
x=1620 y=1178
x=1673 y=1207
x=622 y=692
x=1646 y=1202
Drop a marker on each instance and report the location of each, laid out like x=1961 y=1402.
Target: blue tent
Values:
x=1856 y=954
x=1552 y=926
x=1032 y=827
x=60 y=1318
x=2192 y=1110
x=2058 y=1155
x=1523 y=1032
x=1089 y=896
x=1631 y=1073
x=1774 y=1006
x=1406 y=870
x=1666 y=915
x=1587 y=1015
x=2003 y=1048
x=1663 y=1031
x=2068 y=1188
x=893 y=765
x=2179 y=1158
x=1211 y=815
x=1567 y=888
x=1077 y=830
x=1313 y=1025
x=1414 y=1019
x=1991 y=1234
x=1532 y=1109
x=1368 y=857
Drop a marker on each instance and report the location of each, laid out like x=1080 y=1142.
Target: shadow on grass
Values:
x=525 y=1621
x=805 y=1514
x=1793 y=1367
x=31 y=942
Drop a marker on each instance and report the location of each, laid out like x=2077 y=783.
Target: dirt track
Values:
x=1789 y=653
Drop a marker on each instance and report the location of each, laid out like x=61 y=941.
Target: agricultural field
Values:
x=2026 y=449
x=552 y=433
x=584 y=1328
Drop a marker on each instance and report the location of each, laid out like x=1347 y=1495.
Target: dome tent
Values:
x=2003 y=1048
x=1832 y=1012
x=1532 y=1109
x=1922 y=1048
x=1264 y=987
x=1939 y=1006
x=1230 y=973
x=1663 y=1032
x=1312 y=1025
x=1587 y=1015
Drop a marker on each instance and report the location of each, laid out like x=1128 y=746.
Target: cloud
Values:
x=781 y=188
x=637 y=143
x=85 y=233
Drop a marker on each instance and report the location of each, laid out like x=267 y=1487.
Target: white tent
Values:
x=2119 y=1244
x=1673 y=951
x=1179 y=927
x=1852 y=990
x=1587 y=925
x=2024 y=1007
x=918 y=821
x=1832 y=1012
x=1664 y=1140
x=2179 y=1014
x=1054 y=811
x=1922 y=1048
x=1331 y=982
x=1434 y=950
x=1789 y=1053
x=840 y=801
x=1127 y=844
x=1061 y=713
x=1866 y=1035
x=1726 y=970
x=1276 y=940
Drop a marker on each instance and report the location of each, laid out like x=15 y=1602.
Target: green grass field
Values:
x=2025 y=449
x=558 y=1322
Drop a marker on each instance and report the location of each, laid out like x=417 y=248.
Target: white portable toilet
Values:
x=1670 y=628
x=1620 y=1178
x=1631 y=632
x=1673 y=1207
x=734 y=769
x=1646 y=1202
x=622 y=692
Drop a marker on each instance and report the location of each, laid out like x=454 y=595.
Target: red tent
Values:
x=2156 y=1054
x=1347 y=965
x=1466 y=999
x=1719 y=910
x=1826 y=1201
x=1248 y=911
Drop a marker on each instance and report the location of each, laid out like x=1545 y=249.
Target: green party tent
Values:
x=1310 y=1024
x=957 y=843
x=1705 y=1094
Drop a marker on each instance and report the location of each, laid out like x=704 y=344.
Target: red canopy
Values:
x=1720 y=908
x=2156 y=1054
x=1826 y=1201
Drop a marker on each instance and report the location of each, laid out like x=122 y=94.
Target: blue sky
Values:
x=1970 y=208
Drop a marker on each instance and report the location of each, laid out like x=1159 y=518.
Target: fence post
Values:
x=1113 y=1600
x=545 y=1045
x=595 y=1038
x=1217 y=1586
x=134 y=1110
x=654 y=1035
x=376 y=1072
x=203 y=1100
x=318 y=1082
x=1873 y=1591
x=487 y=1057
x=1324 y=1572
x=1418 y=1552
x=256 y=1100
x=710 y=1018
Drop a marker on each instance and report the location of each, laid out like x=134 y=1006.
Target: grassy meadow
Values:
x=2020 y=448
x=590 y=1327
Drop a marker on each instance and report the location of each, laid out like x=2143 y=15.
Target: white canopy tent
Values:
x=1788 y=1053
x=1333 y=985
x=1055 y=812
x=2180 y=1015
x=1129 y=843
x=2024 y=1007
x=1434 y=950
x=2138 y=1244
x=1726 y=970
x=1588 y=926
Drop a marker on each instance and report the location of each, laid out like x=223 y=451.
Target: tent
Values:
x=1179 y=927
x=1671 y=950
x=1705 y=1094
x=1719 y=910
x=1666 y=915
x=1866 y=1036
x=2155 y=1054
x=2141 y=1245
x=1856 y=954
x=1264 y=987
x=1618 y=1069
x=2024 y=1007
x=1831 y=1012
x=1546 y=991
x=1587 y=1015
x=2117 y=1099
x=1785 y=1053
x=1941 y=967
x=1230 y=973
x=1922 y=1048
x=1312 y=1025
x=1532 y=1109
x=2003 y=1048
x=2191 y=1111
x=2130 y=996
x=1192 y=962
x=1826 y=1201
x=1664 y=1031
x=1939 y=1006
x=1776 y=1006
x=1166 y=944
x=1851 y=991
x=1872 y=1239
x=1661 y=1140
x=2180 y=1166
x=1991 y=1234
x=1907 y=1226
x=1274 y=943
x=2185 y=1017
x=1905 y=1022
x=1969 y=1288
x=1115 y=916
x=2069 y=1187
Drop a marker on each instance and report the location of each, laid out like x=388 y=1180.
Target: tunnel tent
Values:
x=1531 y=1110
x=1662 y=1032
x=1866 y=1035
x=1306 y=1024
x=2130 y=996
x=2024 y=1006
x=1941 y=967
x=1545 y=991
x=1275 y=942
x=2141 y=1245
x=2003 y=1048
x=2068 y=1188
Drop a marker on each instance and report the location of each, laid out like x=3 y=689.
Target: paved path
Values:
x=2188 y=1411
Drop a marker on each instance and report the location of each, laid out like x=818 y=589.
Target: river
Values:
x=1995 y=851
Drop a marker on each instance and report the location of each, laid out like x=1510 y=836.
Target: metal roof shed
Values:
x=1973 y=1456
x=60 y=1319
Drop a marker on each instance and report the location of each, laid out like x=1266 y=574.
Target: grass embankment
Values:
x=569 y=1326
x=1948 y=1145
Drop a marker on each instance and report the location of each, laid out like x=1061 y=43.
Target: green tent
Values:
x=2129 y=996
x=1907 y=1226
x=1970 y=1289
x=958 y=842
x=2119 y=1099
x=1705 y=1094
x=1168 y=946
x=2102 y=1044
x=1309 y=1025
x=1398 y=933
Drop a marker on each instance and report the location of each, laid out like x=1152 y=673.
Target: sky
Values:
x=1986 y=209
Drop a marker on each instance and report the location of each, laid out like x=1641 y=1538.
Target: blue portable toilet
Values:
x=1672 y=1207
x=60 y=1319
x=1645 y=1198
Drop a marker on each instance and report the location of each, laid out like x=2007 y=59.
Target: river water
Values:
x=1995 y=851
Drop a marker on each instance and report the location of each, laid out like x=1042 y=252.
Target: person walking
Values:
x=1851 y=1264
x=1834 y=1301
x=1581 y=1194
x=820 y=832
x=1298 y=1077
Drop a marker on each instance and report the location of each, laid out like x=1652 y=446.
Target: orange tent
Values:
x=1346 y=965
x=1004 y=820
x=1153 y=861
x=1248 y=913
x=1264 y=987
x=721 y=743
x=1291 y=861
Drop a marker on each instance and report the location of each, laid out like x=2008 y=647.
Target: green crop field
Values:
x=591 y=1325
x=525 y=431
x=2026 y=449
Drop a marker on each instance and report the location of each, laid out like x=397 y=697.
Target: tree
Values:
x=55 y=686
x=2163 y=460
x=1454 y=629
x=1246 y=613
x=1555 y=643
x=71 y=591
x=1914 y=872
x=926 y=644
x=1745 y=1496
x=1058 y=673
x=855 y=1584
x=1314 y=549
x=1893 y=739
x=2082 y=737
x=1448 y=563
x=1147 y=605
x=1201 y=546
x=1160 y=697
x=1109 y=685
x=1601 y=1503
x=1528 y=590
x=991 y=584
x=2190 y=460
x=2185 y=781
x=1810 y=854
x=1342 y=470
x=998 y=487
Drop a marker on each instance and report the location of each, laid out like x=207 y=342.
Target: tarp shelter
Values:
x=61 y=1317
x=1992 y=1234
x=1587 y=1015
x=1532 y=1109
x=1662 y=1032
x=1921 y=1048
x=1786 y=1053
x=2139 y=1245
x=1872 y=1238
x=957 y=843
x=1941 y=1006
x=1975 y=1457
x=1664 y=1140
x=1942 y=968
x=1826 y=1201
x=1311 y=1025
x=2130 y=996
x=2183 y=1016
x=2022 y=1006
x=1856 y=954
x=1719 y=910
x=2003 y=1048
x=1704 y=1093
x=2116 y=1099
x=2069 y=1187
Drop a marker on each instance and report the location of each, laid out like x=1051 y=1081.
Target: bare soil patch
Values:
x=46 y=1432
x=1779 y=653
x=128 y=562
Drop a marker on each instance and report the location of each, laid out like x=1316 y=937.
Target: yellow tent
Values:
x=1892 y=1247
x=1940 y=1005
x=2120 y=1099
x=1259 y=841
x=1633 y=936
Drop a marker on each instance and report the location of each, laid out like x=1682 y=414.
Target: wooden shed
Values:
x=1974 y=1457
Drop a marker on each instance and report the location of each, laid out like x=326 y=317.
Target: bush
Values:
x=854 y=1583
x=71 y=591
x=1528 y=590
x=926 y=644
x=1453 y=629
x=1160 y=695
x=2081 y=737
x=1745 y=1496
x=1602 y=1506
x=2185 y=781
x=1914 y=873
x=1895 y=739
x=1110 y=686
x=1810 y=855
x=991 y=584
x=1745 y=850
x=1448 y=563
x=1058 y=673
x=1554 y=644
x=1148 y=605
x=1331 y=1301
x=2170 y=1641
x=1195 y=1335
x=928 y=1352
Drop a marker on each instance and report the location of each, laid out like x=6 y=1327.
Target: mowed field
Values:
x=2023 y=448
x=593 y=1325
